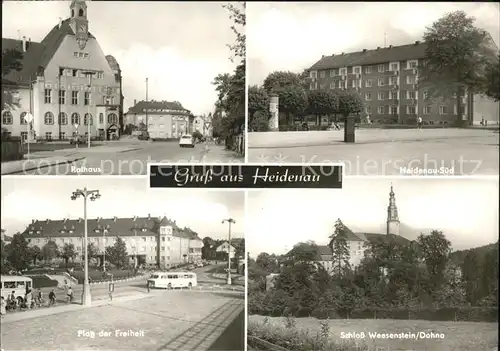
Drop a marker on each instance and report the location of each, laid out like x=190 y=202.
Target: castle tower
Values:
x=392 y=215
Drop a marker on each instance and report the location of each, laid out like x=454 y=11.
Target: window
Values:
x=368 y=83
x=22 y=120
x=410 y=94
x=394 y=67
x=86 y=98
x=86 y=55
x=357 y=70
x=368 y=70
x=394 y=110
x=368 y=96
x=75 y=119
x=353 y=84
x=101 y=118
x=410 y=80
x=381 y=68
x=393 y=80
x=48 y=136
x=412 y=64
x=381 y=95
x=62 y=97
x=333 y=73
x=411 y=110
x=48 y=118
x=427 y=110
x=48 y=96
x=24 y=136
x=332 y=85
x=443 y=110
x=74 y=98
x=322 y=74
x=75 y=54
x=343 y=71
x=425 y=94
x=368 y=110
x=380 y=110
x=63 y=119
x=62 y=135
x=313 y=74
x=112 y=118
x=381 y=82
x=112 y=100
x=74 y=73
x=87 y=119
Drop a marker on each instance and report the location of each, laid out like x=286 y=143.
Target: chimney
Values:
x=65 y=220
x=28 y=44
x=390 y=46
x=322 y=56
x=47 y=221
x=135 y=218
x=364 y=50
x=343 y=53
x=333 y=55
x=60 y=22
x=80 y=220
x=417 y=42
x=135 y=102
x=24 y=44
x=98 y=219
x=149 y=216
x=32 y=221
x=378 y=47
x=114 y=219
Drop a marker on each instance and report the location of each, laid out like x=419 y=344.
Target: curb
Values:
x=119 y=280
x=45 y=165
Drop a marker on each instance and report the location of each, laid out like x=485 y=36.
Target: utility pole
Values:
x=229 y=221
x=147 y=122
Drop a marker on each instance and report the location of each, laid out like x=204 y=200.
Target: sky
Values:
x=293 y=36
x=26 y=198
x=179 y=46
x=465 y=209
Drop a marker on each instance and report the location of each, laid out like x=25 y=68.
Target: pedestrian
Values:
x=3 y=307
x=29 y=299
x=149 y=288
x=419 y=122
x=69 y=295
x=52 y=298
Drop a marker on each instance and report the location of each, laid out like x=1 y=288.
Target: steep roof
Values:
x=142 y=106
x=140 y=226
x=371 y=57
x=113 y=63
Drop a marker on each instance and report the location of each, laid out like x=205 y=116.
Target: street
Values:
x=384 y=151
x=124 y=158
x=166 y=320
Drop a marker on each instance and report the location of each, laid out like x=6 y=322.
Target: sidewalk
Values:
x=35 y=162
x=218 y=154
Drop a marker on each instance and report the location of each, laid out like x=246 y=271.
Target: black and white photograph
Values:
x=93 y=87
x=107 y=264
x=382 y=264
x=403 y=88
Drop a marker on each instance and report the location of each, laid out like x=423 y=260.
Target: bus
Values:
x=172 y=280
x=17 y=284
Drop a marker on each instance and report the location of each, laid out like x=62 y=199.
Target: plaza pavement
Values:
x=122 y=158
x=384 y=151
x=169 y=320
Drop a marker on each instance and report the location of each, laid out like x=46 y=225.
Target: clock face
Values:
x=82 y=28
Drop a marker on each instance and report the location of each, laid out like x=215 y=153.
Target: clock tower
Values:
x=392 y=215
x=79 y=22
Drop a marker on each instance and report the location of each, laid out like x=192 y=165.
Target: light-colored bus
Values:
x=15 y=283
x=172 y=280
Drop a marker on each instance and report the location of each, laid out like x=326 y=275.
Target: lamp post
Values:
x=89 y=85
x=229 y=221
x=92 y=195
x=104 y=249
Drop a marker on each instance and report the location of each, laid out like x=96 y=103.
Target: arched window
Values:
x=80 y=12
x=87 y=119
x=112 y=118
x=22 y=120
x=101 y=118
x=75 y=118
x=7 y=117
x=63 y=119
x=48 y=118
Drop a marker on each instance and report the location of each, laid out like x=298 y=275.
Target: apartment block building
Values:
x=150 y=241
x=388 y=81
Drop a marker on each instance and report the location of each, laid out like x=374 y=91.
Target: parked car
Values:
x=79 y=139
x=199 y=264
x=186 y=140
x=143 y=136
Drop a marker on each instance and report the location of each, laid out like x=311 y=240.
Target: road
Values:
x=205 y=277
x=384 y=152
x=132 y=158
x=173 y=321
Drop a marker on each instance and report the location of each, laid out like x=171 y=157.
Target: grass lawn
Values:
x=97 y=275
x=464 y=336
x=37 y=147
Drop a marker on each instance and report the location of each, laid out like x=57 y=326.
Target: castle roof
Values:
x=140 y=226
x=152 y=105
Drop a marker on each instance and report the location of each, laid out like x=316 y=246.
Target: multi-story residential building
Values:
x=388 y=81
x=164 y=119
x=150 y=241
x=66 y=84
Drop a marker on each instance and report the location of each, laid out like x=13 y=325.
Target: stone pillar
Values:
x=274 y=109
x=349 y=129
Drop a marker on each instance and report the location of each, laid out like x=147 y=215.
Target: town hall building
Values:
x=67 y=84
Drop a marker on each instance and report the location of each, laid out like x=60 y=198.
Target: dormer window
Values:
x=144 y=229
x=39 y=232
x=30 y=232
x=96 y=230
x=71 y=231
x=63 y=231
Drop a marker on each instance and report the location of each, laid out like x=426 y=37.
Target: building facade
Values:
x=150 y=241
x=388 y=81
x=66 y=83
x=163 y=119
x=226 y=248
x=203 y=124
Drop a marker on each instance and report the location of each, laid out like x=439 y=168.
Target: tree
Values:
x=92 y=251
x=307 y=252
x=259 y=122
x=340 y=249
x=493 y=79
x=117 y=254
x=50 y=251
x=206 y=250
x=435 y=250
x=292 y=102
x=18 y=252
x=457 y=56
x=11 y=61
x=321 y=103
x=471 y=275
x=237 y=13
x=349 y=102
x=258 y=101
x=68 y=252
x=489 y=275
x=268 y=263
x=35 y=253
x=279 y=80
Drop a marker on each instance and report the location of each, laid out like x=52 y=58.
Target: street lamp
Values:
x=229 y=221
x=92 y=195
x=89 y=85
